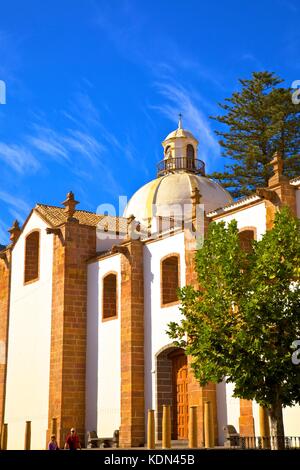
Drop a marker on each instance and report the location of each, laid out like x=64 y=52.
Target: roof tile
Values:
x=57 y=216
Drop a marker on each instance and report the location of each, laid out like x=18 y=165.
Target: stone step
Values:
x=175 y=444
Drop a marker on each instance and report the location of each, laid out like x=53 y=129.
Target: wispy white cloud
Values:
x=179 y=99
x=3 y=233
x=162 y=54
x=17 y=208
x=83 y=106
x=84 y=147
x=84 y=144
x=15 y=202
x=47 y=141
x=17 y=215
x=18 y=157
x=63 y=147
x=249 y=57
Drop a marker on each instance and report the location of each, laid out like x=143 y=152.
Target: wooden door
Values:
x=180 y=396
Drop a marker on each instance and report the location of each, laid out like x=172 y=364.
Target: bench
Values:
x=93 y=441
x=231 y=436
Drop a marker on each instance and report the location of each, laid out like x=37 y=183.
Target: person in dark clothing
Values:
x=72 y=440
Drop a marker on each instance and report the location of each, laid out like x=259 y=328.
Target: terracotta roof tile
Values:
x=57 y=216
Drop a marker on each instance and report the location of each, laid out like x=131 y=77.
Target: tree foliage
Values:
x=261 y=119
x=240 y=325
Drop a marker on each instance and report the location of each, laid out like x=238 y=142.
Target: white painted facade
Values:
x=232 y=409
x=103 y=346
x=28 y=368
x=291 y=418
x=253 y=216
x=29 y=338
x=105 y=241
x=156 y=317
x=103 y=378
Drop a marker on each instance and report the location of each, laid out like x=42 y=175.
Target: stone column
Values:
x=281 y=192
x=132 y=431
x=73 y=246
x=246 y=420
x=166 y=427
x=151 y=430
x=27 y=443
x=193 y=428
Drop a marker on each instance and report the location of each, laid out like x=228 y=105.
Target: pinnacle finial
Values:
x=196 y=198
x=180 y=121
x=14 y=231
x=277 y=164
x=70 y=205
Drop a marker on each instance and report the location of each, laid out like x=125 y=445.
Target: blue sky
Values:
x=94 y=86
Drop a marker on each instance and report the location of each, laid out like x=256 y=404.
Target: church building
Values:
x=86 y=298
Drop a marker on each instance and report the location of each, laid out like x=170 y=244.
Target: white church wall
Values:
x=104 y=242
x=103 y=386
x=222 y=415
x=156 y=317
x=254 y=216
x=291 y=419
x=233 y=407
x=255 y=411
x=27 y=391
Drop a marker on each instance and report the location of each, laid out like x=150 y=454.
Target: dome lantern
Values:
x=180 y=153
x=180 y=185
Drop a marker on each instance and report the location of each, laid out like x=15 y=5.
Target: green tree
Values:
x=261 y=119
x=243 y=320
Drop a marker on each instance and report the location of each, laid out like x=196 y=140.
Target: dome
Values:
x=175 y=190
x=179 y=174
x=180 y=133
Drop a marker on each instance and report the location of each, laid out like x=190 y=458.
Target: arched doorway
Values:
x=172 y=389
x=180 y=394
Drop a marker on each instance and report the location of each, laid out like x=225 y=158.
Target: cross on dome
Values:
x=180 y=121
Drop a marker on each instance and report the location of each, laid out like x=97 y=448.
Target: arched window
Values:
x=190 y=152
x=109 y=296
x=168 y=151
x=246 y=237
x=190 y=160
x=169 y=279
x=32 y=248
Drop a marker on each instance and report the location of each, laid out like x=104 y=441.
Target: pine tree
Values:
x=261 y=119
